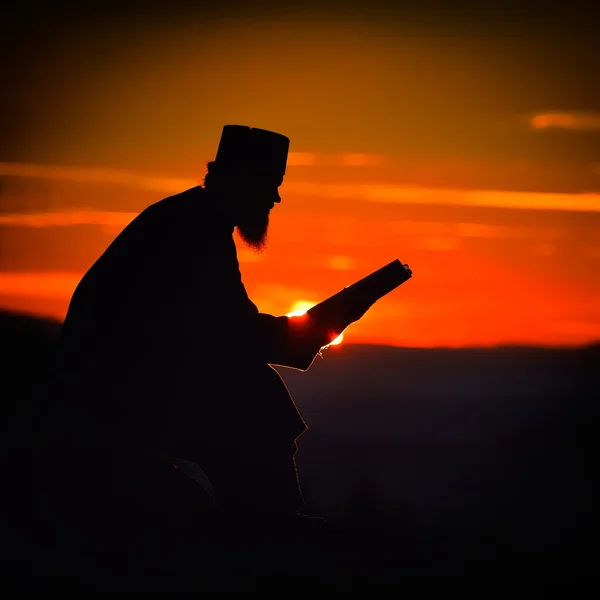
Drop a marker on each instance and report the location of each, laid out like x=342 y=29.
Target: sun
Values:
x=299 y=308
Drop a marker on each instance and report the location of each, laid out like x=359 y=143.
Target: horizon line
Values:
x=5 y=312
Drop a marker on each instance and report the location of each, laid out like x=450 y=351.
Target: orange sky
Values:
x=489 y=266
x=461 y=156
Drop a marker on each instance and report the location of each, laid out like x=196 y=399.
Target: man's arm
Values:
x=294 y=341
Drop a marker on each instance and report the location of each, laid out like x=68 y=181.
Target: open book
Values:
x=335 y=313
x=357 y=298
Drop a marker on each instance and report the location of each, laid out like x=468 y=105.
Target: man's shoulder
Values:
x=192 y=206
x=190 y=196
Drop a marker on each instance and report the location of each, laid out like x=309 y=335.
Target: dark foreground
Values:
x=422 y=462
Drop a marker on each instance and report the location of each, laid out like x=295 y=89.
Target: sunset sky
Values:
x=464 y=143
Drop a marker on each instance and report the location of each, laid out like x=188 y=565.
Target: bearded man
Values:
x=163 y=356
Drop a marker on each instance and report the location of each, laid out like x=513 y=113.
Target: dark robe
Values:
x=162 y=355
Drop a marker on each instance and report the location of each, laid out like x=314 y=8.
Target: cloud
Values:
x=68 y=218
x=344 y=159
x=574 y=121
x=368 y=192
x=339 y=231
x=165 y=184
x=439 y=243
x=445 y=229
x=399 y=194
x=303 y=159
x=341 y=263
x=45 y=285
x=99 y=175
x=359 y=159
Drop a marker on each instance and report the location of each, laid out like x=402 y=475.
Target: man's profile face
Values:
x=255 y=203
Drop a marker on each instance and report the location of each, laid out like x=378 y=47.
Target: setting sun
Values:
x=301 y=307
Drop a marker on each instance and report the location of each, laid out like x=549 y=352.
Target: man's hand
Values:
x=336 y=313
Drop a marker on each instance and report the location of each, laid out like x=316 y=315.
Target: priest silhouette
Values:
x=164 y=362
x=162 y=355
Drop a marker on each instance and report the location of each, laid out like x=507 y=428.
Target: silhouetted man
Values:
x=162 y=355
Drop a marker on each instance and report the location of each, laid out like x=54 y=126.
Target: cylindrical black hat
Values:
x=250 y=148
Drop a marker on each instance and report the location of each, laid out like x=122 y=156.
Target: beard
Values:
x=253 y=230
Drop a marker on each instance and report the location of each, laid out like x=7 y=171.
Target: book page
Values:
x=367 y=290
